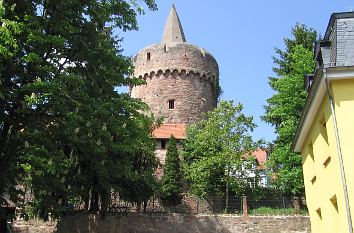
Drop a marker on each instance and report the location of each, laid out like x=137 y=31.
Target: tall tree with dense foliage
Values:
x=215 y=150
x=63 y=127
x=171 y=183
x=283 y=109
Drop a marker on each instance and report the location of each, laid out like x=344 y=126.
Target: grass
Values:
x=275 y=211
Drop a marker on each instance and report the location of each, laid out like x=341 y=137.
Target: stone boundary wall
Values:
x=167 y=223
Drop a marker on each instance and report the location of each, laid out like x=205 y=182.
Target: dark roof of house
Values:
x=334 y=17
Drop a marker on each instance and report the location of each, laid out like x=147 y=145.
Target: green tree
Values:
x=171 y=183
x=142 y=183
x=284 y=108
x=216 y=149
x=10 y=29
x=63 y=127
x=303 y=36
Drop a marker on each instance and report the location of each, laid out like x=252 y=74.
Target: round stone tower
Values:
x=181 y=78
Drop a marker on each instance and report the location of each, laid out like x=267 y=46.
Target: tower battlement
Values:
x=182 y=57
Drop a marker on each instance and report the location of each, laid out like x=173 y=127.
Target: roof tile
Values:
x=165 y=131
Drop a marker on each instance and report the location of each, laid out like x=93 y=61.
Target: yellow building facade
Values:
x=325 y=135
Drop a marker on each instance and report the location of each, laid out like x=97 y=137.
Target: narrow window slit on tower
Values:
x=171 y=104
x=148 y=56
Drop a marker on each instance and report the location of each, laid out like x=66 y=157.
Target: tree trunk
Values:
x=94 y=201
x=3 y=224
x=227 y=185
x=145 y=205
x=138 y=207
x=227 y=195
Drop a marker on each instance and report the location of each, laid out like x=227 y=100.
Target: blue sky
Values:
x=241 y=35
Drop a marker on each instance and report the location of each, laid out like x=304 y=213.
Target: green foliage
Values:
x=216 y=148
x=64 y=130
x=142 y=183
x=285 y=106
x=8 y=31
x=171 y=183
x=303 y=36
x=218 y=90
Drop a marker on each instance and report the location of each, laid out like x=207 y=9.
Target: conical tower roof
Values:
x=173 y=32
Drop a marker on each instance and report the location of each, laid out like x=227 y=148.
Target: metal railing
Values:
x=214 y=205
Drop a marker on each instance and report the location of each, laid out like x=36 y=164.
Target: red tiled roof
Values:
x=166 y=130
x=261 y=156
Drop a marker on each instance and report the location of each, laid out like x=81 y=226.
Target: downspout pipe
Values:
x=344 y=183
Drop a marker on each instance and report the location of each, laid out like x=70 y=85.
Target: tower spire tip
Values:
x=173 y=31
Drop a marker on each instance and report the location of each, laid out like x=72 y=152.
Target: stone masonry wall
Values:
x=168 y=223
x=192 y=96
x=181 y=72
